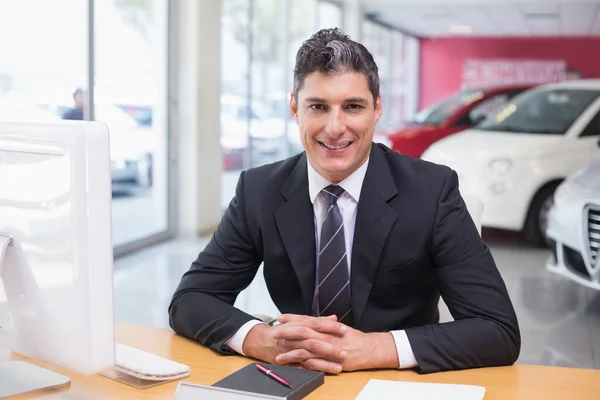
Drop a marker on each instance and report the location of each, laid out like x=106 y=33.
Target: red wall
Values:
x=442 y=59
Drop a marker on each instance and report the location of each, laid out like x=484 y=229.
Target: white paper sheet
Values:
x=377 y=389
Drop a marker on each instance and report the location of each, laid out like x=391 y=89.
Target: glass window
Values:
x=304 y=17
x=410 y=77
x=542 y=111
x=42 y=64
x=235 y=105
x=329 y=15
x=593 y=128
x=268 y=81
x=378 y=40
x=130 y=97
x=260 y=40
x=398 y=73
x=487 y=107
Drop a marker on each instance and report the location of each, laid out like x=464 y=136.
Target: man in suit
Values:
x=358 y=242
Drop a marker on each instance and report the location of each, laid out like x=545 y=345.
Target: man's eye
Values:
x=317 y=107
x=354 y=106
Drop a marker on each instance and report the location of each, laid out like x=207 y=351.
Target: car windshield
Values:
x=439 y=112
x=549 y=111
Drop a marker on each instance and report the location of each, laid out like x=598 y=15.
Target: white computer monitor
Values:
x=56 y=259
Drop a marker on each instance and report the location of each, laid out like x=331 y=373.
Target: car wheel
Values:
x=537 y=217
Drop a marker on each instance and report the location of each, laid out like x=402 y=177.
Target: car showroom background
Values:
x=462 y=84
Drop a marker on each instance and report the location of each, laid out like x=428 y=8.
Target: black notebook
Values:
x=250 y=379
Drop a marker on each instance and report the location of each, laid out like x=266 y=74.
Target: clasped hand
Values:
x=317 y=343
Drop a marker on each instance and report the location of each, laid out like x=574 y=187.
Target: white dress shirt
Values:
x=347 y=204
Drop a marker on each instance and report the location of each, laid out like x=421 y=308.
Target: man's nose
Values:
x=335 y=124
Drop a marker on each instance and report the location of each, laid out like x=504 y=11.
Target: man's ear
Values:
x=378 y=109
x=294 y=107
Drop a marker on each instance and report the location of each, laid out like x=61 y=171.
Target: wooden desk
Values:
x=514 y=382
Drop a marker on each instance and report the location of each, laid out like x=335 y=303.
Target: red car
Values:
x=459 y=112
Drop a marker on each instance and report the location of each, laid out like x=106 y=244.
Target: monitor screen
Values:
x=56 y=272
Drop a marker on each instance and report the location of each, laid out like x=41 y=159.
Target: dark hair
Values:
x=330 y=51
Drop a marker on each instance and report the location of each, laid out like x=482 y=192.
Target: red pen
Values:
x=273 y=375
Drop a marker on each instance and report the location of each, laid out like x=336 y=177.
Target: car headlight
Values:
x=500 y=166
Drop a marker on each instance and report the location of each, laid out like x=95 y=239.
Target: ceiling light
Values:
x=460 y=29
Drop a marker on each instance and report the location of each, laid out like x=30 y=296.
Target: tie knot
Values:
x=332 y=193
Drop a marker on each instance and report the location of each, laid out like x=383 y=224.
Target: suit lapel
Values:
x=295 y=221
x=374 y=220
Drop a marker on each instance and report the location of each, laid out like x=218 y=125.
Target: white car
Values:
x=514 y=160
x=573 y=230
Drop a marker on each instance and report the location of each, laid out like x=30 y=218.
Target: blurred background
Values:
x=506 y=92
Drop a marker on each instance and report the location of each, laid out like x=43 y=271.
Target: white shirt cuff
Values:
x=406 y=357
x=236 y=342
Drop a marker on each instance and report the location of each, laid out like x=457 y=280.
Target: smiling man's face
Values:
x=336 y=118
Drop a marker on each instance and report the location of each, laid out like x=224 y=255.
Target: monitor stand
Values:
x=20 y=377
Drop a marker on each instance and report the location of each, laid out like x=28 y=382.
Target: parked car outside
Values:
x=573 y=231
x=131 y=148
x=514 y=161
x=130 y=145
x=461 y=111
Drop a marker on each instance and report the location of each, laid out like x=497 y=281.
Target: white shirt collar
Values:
x=352 y=184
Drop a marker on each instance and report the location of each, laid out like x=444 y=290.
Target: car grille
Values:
x=574 y=262
x=593 y=234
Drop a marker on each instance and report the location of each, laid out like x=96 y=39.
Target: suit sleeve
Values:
x=485 y=331
x=202 y=305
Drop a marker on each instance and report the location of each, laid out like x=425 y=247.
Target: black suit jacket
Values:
x=413 y=240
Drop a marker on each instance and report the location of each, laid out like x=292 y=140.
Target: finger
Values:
x=295 y=317
x=294 y=356
x=284 y=318
x=320 y=324
x=300 y=359
x=327 y=325
x=294 y=332
x=318 y=364
x=284 y=345
x=315 y=348
x=324 y=350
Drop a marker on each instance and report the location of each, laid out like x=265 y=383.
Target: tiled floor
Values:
x=560 y=320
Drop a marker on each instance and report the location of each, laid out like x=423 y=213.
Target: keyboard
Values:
x=147 y=366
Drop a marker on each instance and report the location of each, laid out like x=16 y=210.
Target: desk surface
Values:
x=514 y=382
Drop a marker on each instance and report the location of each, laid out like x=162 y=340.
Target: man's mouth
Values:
x=335 y=147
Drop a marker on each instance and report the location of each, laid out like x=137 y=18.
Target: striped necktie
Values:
x=334 y=279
